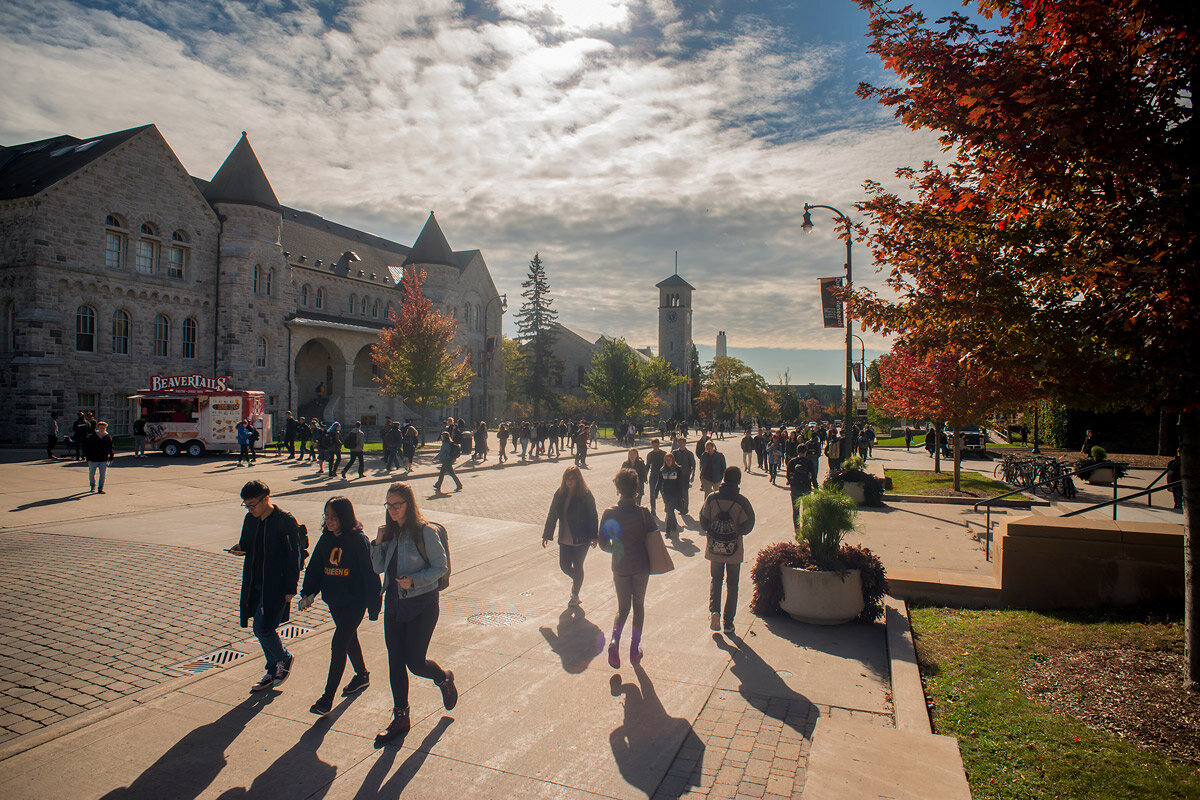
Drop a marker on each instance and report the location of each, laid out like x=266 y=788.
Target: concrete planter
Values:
x=821 y=598
x=1101 y=476
x=855 y=491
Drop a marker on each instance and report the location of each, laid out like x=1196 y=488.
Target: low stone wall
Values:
x=1055 y=562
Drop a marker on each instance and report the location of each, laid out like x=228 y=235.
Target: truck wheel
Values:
x=195 y=449
x=170 y=448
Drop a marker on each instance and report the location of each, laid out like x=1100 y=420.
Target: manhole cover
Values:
x=496 y=619
x=217 y=658
x=293 y=631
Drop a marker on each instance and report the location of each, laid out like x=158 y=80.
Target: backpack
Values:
x=722 y=531
x=419 y=541
x=463 y=442
x=455 y=448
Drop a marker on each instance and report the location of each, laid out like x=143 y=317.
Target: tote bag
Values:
x=656 y=548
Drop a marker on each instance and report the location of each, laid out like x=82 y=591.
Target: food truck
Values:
x=194 y=414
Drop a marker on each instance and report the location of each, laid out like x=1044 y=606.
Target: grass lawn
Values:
x=976 y=665
x=919 y=481
x=898 y=441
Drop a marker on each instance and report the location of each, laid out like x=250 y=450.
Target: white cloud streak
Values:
x=549 y=129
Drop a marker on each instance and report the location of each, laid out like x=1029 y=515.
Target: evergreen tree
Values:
x=535 y=332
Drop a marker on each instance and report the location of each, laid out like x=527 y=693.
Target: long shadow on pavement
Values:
x=194 y=762
x=576 y=641
x=373 y=785
x=52 y=501
x=760 y=685
x=646 y=742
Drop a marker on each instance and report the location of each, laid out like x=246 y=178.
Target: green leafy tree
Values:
x=535 y=332
x=697 y=375
x=516 y=370
x=624 y=383
x=415 y=355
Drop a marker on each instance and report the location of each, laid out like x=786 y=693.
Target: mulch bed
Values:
x=1136 y=694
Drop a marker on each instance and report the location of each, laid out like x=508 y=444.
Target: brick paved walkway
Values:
x=106 y=619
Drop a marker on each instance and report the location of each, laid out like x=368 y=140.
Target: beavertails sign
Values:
x=188 y=384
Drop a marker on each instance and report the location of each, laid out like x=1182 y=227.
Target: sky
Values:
x=604 y=135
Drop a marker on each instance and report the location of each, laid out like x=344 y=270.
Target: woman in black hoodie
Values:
x=340 y=569
x=573 y=511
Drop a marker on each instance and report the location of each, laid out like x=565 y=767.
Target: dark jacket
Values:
x=340 y=569
x=580 y=515
x=718 y=466
x=623 y=531
x=654 y=461
x=686 y=462
x=275 y=556
x=97 y=447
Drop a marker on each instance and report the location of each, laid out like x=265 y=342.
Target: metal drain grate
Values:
x=496 y=619
x=217 y=658
x=293 y=631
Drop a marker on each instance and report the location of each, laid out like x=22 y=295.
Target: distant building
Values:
x=721 y=351
x=116 y=265
x=575 y=347
x=675 y=338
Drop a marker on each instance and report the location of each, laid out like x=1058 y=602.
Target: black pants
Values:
x=408 y=647
x=335 y=460
x=354 y=454
x=51 y=440
x=570 y=561
x=730 y=573
x=290 y=444
x=246 y=452
x=346 y=620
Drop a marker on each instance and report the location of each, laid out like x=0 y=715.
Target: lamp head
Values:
x=806 y=225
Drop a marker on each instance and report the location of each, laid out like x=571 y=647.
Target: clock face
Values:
x=672 y=316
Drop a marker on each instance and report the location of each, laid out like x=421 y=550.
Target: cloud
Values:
x=604 y=134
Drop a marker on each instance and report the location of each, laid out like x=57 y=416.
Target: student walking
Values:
x=445 y=457
x=654 y=464
x=502 y=437
x=52 y=435
x=623 y=532
x=726 y=517
x=634 y=462
x=98 y=450
x=573 y=511
x=342 y=573
x=139 y=437
x=245 y=440
x=356 y=440
x=273 y=548
x=409 y=553
x=673 y=486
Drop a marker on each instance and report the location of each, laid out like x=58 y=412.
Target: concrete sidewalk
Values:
x=779 y=710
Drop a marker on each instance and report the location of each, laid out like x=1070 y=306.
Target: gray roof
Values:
x=241 y=180
x=674 y=280
x=27 y=169
x=431 y=247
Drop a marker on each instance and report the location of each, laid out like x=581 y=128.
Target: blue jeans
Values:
x=92 y=467
x=447 y=469
x=268 y=638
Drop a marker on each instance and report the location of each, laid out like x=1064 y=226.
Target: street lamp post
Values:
x=487 y=359
x=807 y=226
x=862 y=368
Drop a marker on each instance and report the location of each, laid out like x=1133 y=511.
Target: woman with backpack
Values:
x=411 y=555
x=573 y=511
x=727 y=516
x=341 y=571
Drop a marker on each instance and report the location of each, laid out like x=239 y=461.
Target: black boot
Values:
x=397 y=729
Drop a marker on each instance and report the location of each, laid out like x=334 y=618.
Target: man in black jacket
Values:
x=271 y=544
x=289 y=436
x=687 y=470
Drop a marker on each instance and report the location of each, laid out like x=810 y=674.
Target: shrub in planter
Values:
x=852 y=471
x=1087 y=466
x=767 y=575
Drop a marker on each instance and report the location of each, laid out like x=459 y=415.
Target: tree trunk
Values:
x=957 y=458
x=1189 y=451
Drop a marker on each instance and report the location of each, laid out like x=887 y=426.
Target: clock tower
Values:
x=675 y=337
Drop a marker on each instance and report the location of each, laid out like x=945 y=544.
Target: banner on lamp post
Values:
x=856 y=368
x=831 y=307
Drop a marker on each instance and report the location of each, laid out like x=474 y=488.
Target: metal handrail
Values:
x=1150 y=485
x=1133 y=496
x=1047 y=482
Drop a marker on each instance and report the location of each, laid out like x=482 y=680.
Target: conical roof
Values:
x=241 y=180
x=431 y=247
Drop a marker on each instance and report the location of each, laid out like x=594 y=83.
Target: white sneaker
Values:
x=714 y=621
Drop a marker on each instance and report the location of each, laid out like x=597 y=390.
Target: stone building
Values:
x=116 y=265
x=575 y=347
x=675 y=338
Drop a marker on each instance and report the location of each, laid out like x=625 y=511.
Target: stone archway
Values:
x=320 y=376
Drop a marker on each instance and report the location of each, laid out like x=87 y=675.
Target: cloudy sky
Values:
x=604 y=134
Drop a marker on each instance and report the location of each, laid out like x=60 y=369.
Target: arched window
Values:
x=353 y=303
x=177 y=255
x=375 y=309
x=270 y=280
x=116 y=243
x=148 y=229
x=304 y=295
x=478 y=318
x=389 y=311
x=188 y=342
x=320 y=297
x=162 y=336
x=363 y=307
x=260 y=354
x=257 y=277
x=85 y=329
x=120 y=333
x=147 y=251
